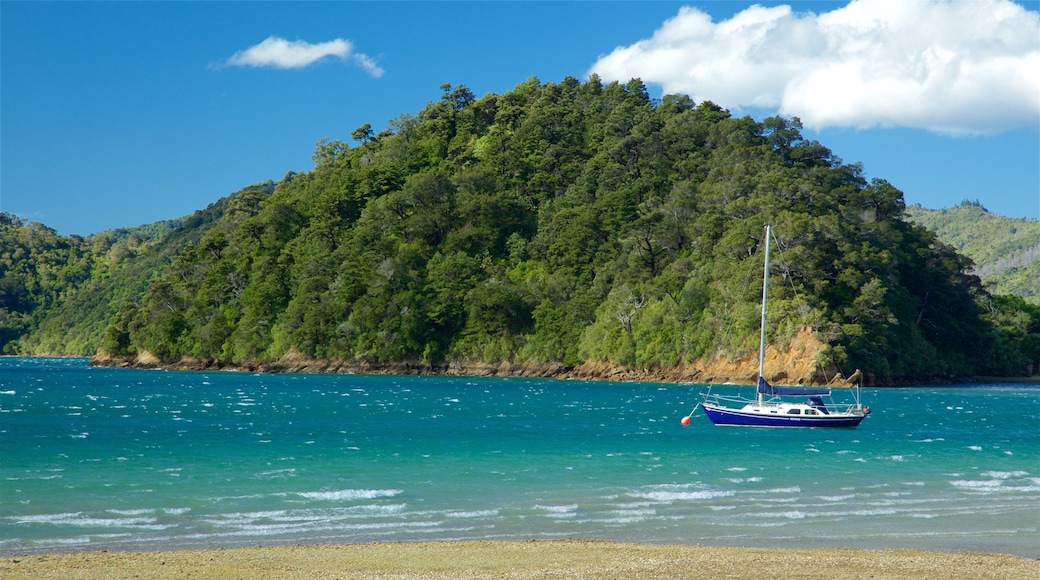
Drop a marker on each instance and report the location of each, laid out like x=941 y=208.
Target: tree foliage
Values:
x=566 y=222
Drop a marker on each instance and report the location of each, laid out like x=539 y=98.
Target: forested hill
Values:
x=58 y=294
x=1006 y=251
x=565 y=223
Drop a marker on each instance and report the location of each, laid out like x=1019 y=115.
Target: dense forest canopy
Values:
x=559 y=222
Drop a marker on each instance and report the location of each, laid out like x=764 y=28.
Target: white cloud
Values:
x=369 y=65
x=948 y=66
x=284 y=54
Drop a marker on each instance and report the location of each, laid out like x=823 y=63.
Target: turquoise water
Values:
x=128 y=459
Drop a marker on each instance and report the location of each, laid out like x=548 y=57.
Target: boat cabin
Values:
x=818 y=404
x=810 y=408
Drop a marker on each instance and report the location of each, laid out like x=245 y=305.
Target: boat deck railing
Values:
x=717 y=399
x=832 y=408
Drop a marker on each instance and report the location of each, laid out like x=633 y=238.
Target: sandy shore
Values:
x=519 y=559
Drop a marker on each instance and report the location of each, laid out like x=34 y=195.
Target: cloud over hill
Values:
x=952 y=67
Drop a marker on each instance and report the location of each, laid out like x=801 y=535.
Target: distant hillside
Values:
x=1006 y=251
x=58 y=294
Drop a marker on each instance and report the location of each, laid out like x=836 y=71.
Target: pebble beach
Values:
x=586 y=559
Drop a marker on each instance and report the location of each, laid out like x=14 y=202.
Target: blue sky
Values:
x=118 y=114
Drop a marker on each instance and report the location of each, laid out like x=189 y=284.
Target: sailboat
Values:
x=770 y=408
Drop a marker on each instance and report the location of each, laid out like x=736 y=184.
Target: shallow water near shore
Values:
x=101 y=458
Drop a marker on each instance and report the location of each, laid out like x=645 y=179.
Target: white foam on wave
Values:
x=134 y=512
x=788 y=515
x=620 y=520
x=37 y=477
x=559 y=510
x=370 y=510
x=320 y=525
x=807 y=514
x=302 y=518
x=81 y=519
x=837 y=498
x=472 y=514
x=859 y=512
x=636 y=513
x=977 y=484
x=245 y=518
x=1005 y=474
x=67 y=541
x=998 y=485
x=681 y=492
x=772 y=501
x=631 y=504
x=350 y=494
x=277 y=473
x=775 y=490
x=46 y=518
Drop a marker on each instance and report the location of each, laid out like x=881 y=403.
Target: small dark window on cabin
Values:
x=795 y=412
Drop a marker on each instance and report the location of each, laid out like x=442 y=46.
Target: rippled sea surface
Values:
x=127 y=459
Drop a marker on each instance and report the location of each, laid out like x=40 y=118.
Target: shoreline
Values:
x=586 y=559
x=735 y=374
x=588 y=371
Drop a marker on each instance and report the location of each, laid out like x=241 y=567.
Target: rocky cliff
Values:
x=797 y=364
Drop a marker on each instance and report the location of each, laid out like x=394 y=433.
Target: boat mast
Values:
x=762 y=333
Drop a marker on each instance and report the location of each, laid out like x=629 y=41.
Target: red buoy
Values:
x=685 y=420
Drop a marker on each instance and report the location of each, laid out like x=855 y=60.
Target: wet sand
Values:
x=586 y=559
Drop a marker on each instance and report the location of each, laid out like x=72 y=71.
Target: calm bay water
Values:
x=127 y=459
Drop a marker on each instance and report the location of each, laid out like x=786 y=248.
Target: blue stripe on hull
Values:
x=726 y=416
